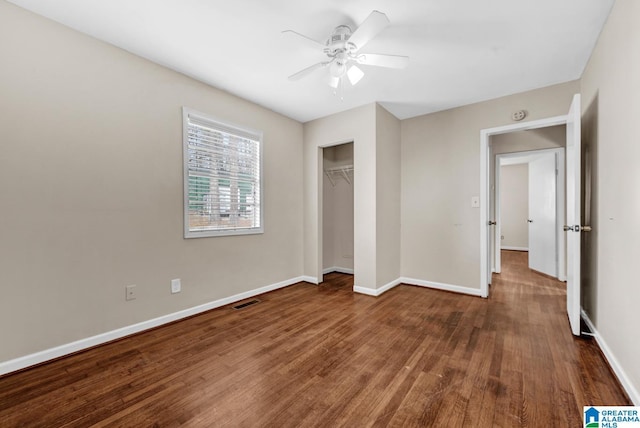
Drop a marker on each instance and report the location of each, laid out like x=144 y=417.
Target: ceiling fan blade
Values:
x=380 y=60
x=314 y=43
x=306 y=71
x=375 y=22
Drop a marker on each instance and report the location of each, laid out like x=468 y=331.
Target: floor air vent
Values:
x=245 y=304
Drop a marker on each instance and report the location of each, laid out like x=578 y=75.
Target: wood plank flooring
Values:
x=323 y=356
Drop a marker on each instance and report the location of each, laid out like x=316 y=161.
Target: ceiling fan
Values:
x=342 y=49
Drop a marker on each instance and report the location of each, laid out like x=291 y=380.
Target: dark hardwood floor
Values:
x=323 y=356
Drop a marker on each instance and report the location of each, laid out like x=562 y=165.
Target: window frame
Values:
x=227 y=127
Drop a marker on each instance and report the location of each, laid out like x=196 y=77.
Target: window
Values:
x=222 y=178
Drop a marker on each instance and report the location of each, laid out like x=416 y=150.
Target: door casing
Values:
x=485 y=134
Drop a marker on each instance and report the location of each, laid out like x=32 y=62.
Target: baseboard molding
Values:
x=626 y=383
x=377 y=291
x=505 y=247
x=90 y=342
x=311 y=279
x=338 y=269
x=365 y=290
x=441 y=286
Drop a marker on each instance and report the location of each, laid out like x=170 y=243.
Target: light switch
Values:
x=475 y=202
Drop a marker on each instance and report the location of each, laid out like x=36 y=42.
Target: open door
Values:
x=573 y=225
x=542 y=215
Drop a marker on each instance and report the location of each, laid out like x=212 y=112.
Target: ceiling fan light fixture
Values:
x=342 y=50
x=337 y=69
x=354 y=74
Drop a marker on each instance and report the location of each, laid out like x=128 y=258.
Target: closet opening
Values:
x=337 y=209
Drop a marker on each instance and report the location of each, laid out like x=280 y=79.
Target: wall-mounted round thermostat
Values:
x=519 y=115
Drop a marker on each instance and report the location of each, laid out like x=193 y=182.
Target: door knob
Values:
x=577 y=228
x=491 y=223
x=529 y=220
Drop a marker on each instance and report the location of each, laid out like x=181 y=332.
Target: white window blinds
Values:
x=222 y=167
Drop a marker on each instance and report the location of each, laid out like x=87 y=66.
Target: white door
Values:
x=573 y=224
x=542 y=215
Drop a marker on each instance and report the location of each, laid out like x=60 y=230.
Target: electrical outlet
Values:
x=475 y=202
x=130 y=292
x=176 y=286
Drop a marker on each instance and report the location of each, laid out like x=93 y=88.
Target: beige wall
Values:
x=357 y=126
x=375 y=134
x=337 y=224
x=91 y=190
x=440 y=174
x=514 y=205
x=328 y=230
x=387 y=197
x=550 y=137
x=610 y=89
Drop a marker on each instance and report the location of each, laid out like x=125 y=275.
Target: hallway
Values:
x=544 y=357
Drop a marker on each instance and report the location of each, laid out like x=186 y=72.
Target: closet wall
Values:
x=337 y=209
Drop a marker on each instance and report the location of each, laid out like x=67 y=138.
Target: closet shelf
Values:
x=344 y=171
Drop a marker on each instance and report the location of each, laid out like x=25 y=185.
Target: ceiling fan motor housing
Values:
x=338 y=41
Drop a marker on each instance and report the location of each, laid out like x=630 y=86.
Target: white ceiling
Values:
x=462 y=51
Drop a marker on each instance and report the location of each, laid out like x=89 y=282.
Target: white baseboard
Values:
x=311 y=279
x=365 y=290
x=441 y=286
x=89 y=342
x=506 y=247
x=377 y=291
x=626 y=383
x=338 y=269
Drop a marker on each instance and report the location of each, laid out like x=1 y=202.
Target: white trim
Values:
x=377 y=291
x=626 y=383
x=485 y=134
x=561 y=198
x=338 y=269
x=99 y=339
x=311 y=279
x=366 y=290
x=497 y=216
x=506 y=247
x=441 y=286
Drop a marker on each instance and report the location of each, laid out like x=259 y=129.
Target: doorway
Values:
x=488 y=147
x=530 y=206
x=337 y=209
x=573 y=225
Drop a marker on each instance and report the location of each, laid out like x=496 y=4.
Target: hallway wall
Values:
x=514 y=206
